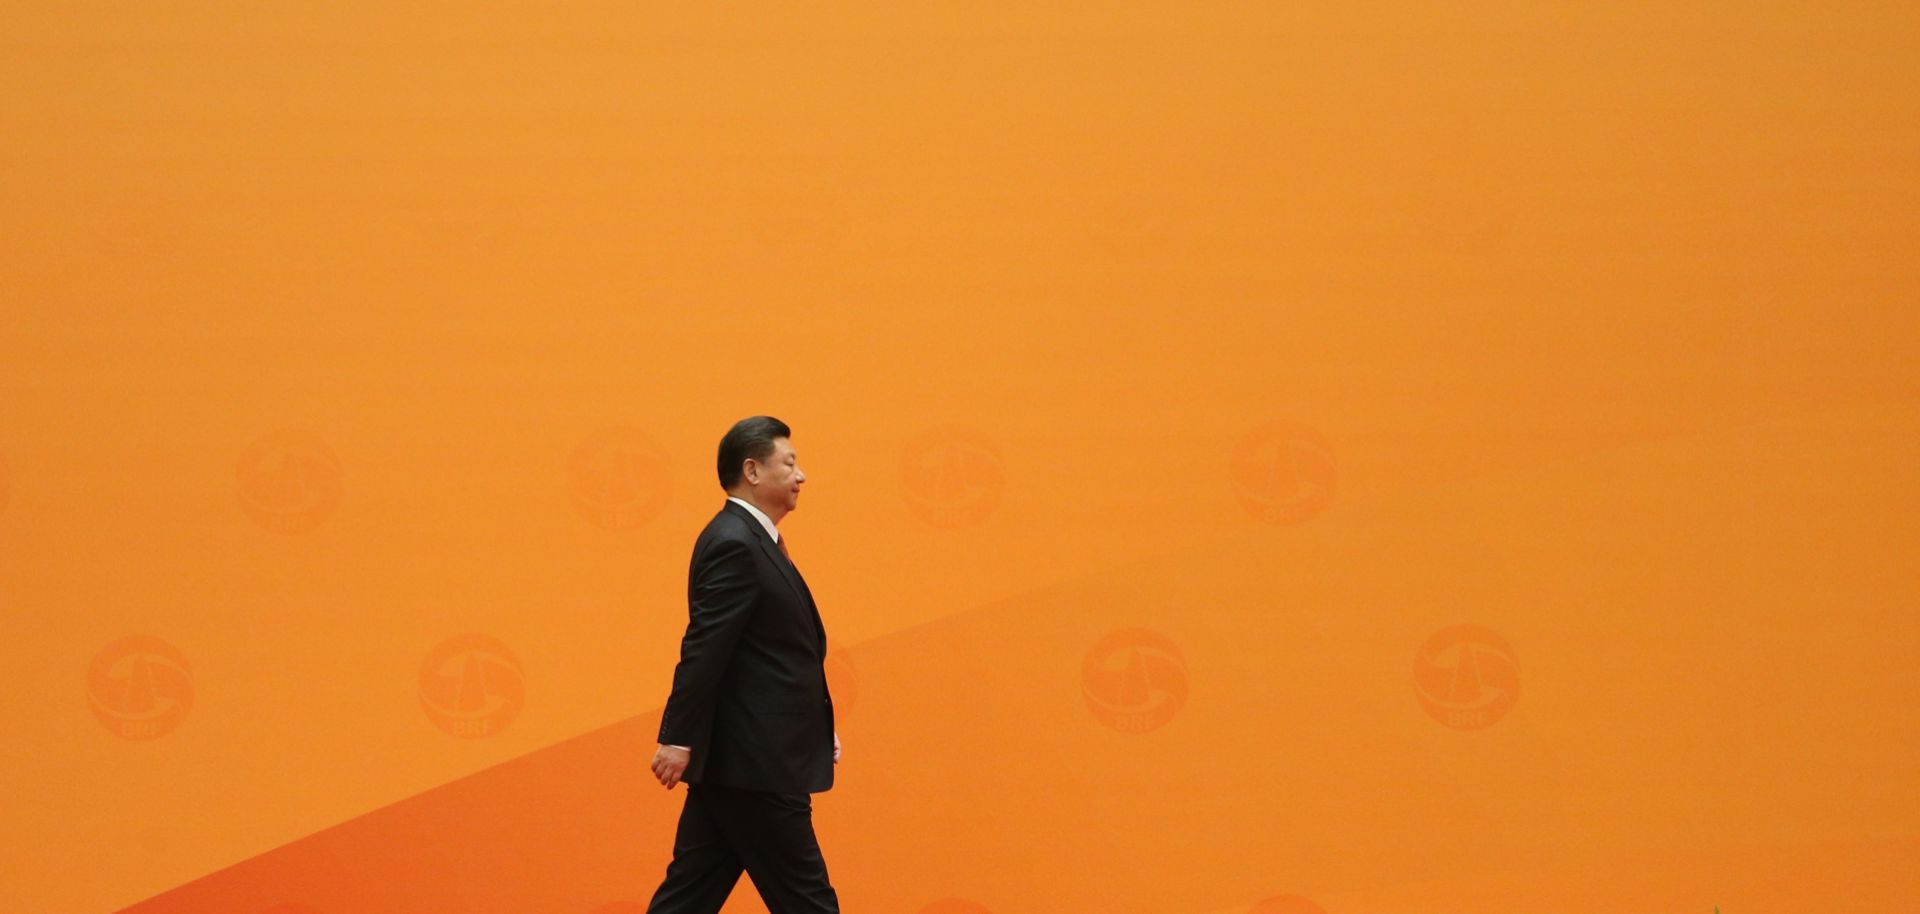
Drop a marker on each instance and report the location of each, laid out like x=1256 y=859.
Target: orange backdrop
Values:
x=1275 y=458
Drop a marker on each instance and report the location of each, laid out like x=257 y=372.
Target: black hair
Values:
x=749 y=438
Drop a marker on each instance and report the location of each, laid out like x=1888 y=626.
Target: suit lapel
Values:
x=819 y=627
x=799 y=585
x=787 y=569
x=780 y=561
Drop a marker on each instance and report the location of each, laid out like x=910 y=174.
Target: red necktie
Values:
x=782 y=543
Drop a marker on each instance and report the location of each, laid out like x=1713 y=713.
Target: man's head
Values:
x=757 y=463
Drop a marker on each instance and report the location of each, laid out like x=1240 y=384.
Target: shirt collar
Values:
x=762 y=518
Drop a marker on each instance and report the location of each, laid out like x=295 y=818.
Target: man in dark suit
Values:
x=749 y=725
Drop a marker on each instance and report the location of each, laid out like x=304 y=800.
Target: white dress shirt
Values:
x=762 y=518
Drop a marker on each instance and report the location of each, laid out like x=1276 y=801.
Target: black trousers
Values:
x=770 y=835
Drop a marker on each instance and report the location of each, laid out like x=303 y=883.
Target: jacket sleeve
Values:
x=719 y=603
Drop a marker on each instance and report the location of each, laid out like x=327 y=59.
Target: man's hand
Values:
x=836 y=747
x=669 y=763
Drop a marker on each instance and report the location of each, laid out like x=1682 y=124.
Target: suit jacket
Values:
x=750 y=692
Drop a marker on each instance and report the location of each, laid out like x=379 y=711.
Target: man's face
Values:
x=777 y=481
